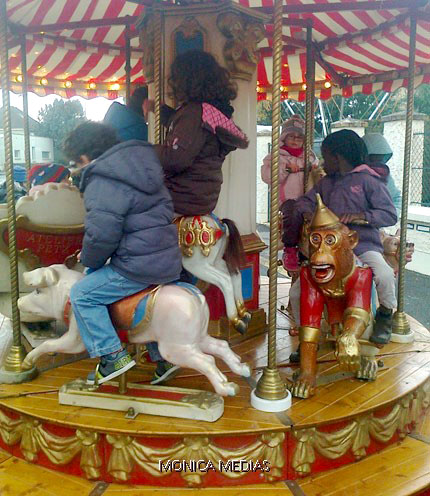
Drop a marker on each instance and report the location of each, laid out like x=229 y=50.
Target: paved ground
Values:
x=417 y=301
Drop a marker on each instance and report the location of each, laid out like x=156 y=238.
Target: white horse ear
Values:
x=41 y=278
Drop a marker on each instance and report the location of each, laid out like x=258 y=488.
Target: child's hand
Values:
x=349 y=218
x=293 y=168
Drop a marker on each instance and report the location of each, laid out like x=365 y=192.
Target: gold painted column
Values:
x=310 y=102
x=11 y=371
x=26 y=126
x=401 y=329
x=271 y=393
x=127 y=66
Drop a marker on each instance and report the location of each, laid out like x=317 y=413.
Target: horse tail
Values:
x=234 y=254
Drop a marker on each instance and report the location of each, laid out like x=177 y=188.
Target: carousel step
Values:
x=400 y=470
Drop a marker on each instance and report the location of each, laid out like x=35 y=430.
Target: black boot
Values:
x=295 y=356
x=382 y=326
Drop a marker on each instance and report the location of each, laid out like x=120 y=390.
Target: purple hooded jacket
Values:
x=361 y=190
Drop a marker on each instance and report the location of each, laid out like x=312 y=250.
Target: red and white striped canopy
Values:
x=352 y=38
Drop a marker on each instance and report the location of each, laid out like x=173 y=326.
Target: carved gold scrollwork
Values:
x=126 y=452
x=59 y=450
x=356 y=435
x=241 y=48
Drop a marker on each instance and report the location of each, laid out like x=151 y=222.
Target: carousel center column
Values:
x=231 y=33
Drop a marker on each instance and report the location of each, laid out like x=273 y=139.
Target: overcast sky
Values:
x=95 y=109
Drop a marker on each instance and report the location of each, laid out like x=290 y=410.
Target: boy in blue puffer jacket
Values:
x=129 y=221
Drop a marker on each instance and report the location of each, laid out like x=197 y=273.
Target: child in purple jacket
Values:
x=355 y=193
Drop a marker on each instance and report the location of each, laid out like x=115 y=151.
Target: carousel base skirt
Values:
x=348 y=424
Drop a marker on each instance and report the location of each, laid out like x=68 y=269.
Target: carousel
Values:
x=239 y=418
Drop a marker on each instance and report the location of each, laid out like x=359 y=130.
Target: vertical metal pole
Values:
x=127 y=66
x=324 y=124
x=400 y=322
x=157 y=74
x=16 y=355
x=27 y=151
x=310 y=102
x=270 y=386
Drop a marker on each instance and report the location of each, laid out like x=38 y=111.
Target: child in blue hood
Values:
x=128 y=220
x=128 y=120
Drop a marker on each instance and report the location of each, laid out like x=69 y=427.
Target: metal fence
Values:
x=420 y=169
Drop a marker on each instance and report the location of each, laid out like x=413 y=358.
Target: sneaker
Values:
x=290 y=259
x=164 y=371
x=111 y=366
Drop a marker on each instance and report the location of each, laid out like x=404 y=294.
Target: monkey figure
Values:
x=333 y=278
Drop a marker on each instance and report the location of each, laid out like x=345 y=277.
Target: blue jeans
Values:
x=89 y=298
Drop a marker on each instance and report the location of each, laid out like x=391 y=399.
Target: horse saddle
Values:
x=134 y=309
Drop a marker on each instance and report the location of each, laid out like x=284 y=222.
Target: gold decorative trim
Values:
x=358 y=313
x=34 y=438
x=199 y=234
x=252 y=243
x=309 y=334
x=241 y=47
x=357 y=434
x=127 y=452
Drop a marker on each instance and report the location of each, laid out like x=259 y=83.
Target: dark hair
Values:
x=347 y=144
x=136 y=100
x=89 y=138
x=196 y=76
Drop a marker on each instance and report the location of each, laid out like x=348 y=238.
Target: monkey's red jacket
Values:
x=357 y=292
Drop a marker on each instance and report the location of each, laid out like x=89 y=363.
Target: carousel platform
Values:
x=352 y=436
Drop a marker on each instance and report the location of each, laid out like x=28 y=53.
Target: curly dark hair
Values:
x=347 y=144
x=91 y=139
x=196 y=76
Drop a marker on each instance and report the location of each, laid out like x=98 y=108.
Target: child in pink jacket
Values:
x=291 y=174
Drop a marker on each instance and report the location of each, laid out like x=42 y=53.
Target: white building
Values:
x=41 y=148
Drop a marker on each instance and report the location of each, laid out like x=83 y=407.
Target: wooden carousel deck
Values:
x=376 y=425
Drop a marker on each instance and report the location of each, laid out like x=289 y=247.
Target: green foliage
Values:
x=57 y=120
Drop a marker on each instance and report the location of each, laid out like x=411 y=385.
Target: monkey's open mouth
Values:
x=322 y=272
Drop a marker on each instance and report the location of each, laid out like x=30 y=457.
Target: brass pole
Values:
x=122 y=383
x=16 y=355
x=310 y=102
x=270 y=385
x=157 y=75
x=400 y=322
x=127 y=66
x=25 y=107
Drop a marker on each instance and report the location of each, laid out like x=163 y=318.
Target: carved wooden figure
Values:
x=332 y=278
x=176 y=316
x=211 y=251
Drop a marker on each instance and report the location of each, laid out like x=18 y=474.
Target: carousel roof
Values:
x=78 y=46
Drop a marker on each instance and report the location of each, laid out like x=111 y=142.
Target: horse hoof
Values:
x=26 y=365
x=232 y=388
x=246 y=317
x=246 y=370
x=240 y=326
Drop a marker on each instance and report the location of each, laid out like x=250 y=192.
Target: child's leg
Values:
x=89 y=298
x=386 y=288
x=384 y=277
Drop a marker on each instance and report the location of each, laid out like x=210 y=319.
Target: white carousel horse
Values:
x=176 y=316
x=211 y=251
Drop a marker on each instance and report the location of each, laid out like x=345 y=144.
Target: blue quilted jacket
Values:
x=129 y=215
